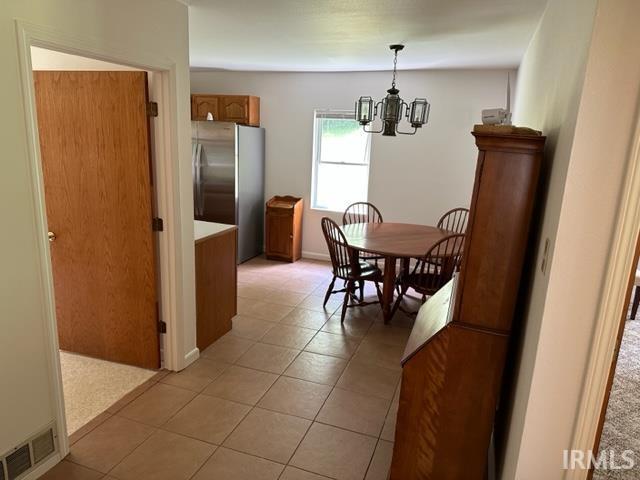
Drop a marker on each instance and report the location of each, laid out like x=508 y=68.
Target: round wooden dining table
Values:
x=392 y=241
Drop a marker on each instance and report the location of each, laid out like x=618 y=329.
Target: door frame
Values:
x=164 y=150
x=611 y=311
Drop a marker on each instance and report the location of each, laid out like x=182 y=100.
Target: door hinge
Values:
x=157 y=224
x=152 y=109
x=162 y=326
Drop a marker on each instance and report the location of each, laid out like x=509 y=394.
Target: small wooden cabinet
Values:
x=242 y=109
x=284 y=228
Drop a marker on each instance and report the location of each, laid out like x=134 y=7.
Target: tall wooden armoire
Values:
x=454 y=359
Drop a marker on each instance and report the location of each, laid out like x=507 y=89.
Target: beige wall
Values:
x=412 y=178
x=27 y=403
x=585 y=99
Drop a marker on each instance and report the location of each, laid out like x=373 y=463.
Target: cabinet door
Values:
x=201 y=105
x=234 y=108
x=280 y=235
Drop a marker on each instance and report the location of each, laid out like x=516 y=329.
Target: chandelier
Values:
x=392 y=108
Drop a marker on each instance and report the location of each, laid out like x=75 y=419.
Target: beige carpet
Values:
x=91 y=386
x=622 y=424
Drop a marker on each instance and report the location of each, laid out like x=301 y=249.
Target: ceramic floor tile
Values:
x=316 y=368
x=270 y=358
x=389 y=428
x=227 y=348
x=227 y=464
x=158 y=404
x=325 y=343
x=369 y=380
x=292 y=473
x=334 y=452
x=239 y=384
x=315 y=303
x=381 y=354
x=164 y=456
x=208 y=418
x=303 y=317
x=286 y=297
x=70 y=471
x=296 y=397
x=288 y=336
x=269 y=435
x=271 y=312
x=352 y=326
x=388 y=334
x=249 y=327
x=105 y=446
x=354 y=411
x=381 y=462
x=197 y=375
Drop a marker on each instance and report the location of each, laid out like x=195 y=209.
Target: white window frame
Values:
x=316 y=154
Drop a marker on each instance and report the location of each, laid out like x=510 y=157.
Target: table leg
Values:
x=388 y=286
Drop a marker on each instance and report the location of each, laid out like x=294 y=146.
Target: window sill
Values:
x=326 y=210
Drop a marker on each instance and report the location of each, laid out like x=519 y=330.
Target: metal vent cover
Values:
x=2 y=475
x=42 y=446
x=18 y=462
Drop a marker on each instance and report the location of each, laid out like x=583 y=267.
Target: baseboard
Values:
x=316 y=256
x=191 y=357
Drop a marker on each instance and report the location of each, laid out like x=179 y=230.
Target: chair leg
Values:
x=378 y=292
x=396 y=304
x=636 y=302
x=329 y=291
x=361 y=285
x=347 y=296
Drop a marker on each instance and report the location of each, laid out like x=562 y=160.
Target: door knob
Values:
x=52 y=236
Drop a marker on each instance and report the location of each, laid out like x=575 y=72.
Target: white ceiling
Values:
x=345 y=35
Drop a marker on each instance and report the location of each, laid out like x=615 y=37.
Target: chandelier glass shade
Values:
x=392 y=109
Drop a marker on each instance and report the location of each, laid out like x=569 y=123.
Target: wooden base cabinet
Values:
x=283 y=228
x=216 y=286
x=454 y=359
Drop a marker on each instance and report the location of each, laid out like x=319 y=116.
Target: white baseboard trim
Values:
x=316 y=256
x=191 y=357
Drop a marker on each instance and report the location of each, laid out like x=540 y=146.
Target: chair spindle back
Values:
x=361 y=212
x=342 y=256
x=439 y=264
x=455 y=220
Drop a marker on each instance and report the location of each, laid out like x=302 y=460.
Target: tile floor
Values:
x=288 y=394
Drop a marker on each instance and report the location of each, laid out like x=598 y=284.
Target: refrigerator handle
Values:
x=196 y=175
x=200 y=187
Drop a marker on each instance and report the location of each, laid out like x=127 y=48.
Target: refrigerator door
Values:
x=215 y=172
x=250 y=152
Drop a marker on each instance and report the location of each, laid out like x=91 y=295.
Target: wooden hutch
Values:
x=455 y=356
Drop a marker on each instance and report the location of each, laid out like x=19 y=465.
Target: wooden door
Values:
x=94 y=144
x=201 y=105
x=279 y=235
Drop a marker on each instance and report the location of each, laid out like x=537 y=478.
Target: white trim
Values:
x=191 y=357
x=28 y=35
x=611 y=309
x=43 y=467
x=316 y=256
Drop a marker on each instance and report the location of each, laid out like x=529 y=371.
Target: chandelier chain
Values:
x=395 y=62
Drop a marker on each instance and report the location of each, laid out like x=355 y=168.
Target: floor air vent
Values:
x=2 y=475
x=18 y=462
x=42 y=446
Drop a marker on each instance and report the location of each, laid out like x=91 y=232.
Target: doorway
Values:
x=97 y=172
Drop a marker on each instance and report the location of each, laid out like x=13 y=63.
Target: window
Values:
x=340 y=161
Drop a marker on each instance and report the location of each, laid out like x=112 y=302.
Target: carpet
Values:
x=622 y=423
x=91 y=386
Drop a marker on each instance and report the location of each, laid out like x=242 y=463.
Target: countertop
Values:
x=204 y=230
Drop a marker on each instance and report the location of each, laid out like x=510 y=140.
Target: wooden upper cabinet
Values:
x=242 y=109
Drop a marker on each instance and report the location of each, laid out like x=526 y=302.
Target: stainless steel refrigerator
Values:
x=228 y=180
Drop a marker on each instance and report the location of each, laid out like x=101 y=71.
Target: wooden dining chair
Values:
x=363 y=212
x=347 y=266
x=432 y=271
x=455 y=220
